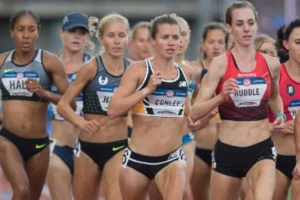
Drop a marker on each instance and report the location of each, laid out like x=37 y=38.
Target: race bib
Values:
x=105 y=94
x=166 y=102
x=14 y=82
x=126 y=157
x=77 y=149
x=294 y=107
x=274 y=153
x=250 y=93
x=52 y=145
x=213 y=160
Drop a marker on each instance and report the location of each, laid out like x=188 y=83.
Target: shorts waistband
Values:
x=64 y=146
x=155 y=159
x=94 y=144
x=10 y=135
x=204 y=149
x=286 y=156
x=268 y=143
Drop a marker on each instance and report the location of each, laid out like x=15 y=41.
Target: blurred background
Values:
x=272 y=15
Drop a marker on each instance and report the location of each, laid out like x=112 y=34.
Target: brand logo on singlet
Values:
x=250 y=93
x=290 y=90
x=8 y=70
x=169 y=93
x=20 y=75
x=182 y=84
x=247 y=82
x=103 y=81
x=247 y=75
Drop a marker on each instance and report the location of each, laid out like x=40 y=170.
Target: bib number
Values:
x=14 y=82
x=105 y=94
x=250 y=93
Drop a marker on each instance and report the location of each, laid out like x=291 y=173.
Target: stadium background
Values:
x=272 y=14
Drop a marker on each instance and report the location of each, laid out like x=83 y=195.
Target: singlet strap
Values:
x=9 y=57
x=86 y=57
x=146 y=75
x=126 y=62
x=202 y=65
x=38 y=56
x=180 y=70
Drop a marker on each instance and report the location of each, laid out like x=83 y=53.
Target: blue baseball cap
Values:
x=73 y=20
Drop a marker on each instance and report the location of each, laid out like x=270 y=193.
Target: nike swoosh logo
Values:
x=40 y=146
x=118 y=148
x=8 y=70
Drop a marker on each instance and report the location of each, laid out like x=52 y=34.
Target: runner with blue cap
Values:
x=74 y=35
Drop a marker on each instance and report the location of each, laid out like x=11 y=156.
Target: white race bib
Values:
x=250 y=93
x=14 y=82
x=105 y=94
x=77 y=149
x=52 y=145
x=294 y=107
x=166 y=103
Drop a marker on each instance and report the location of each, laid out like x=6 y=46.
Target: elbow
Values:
x=113 y=111
x=61 y=108
x=112 y=114
x=193 y=116
x=74 y=106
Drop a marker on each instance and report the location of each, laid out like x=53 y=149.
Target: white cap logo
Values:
x=65 y=20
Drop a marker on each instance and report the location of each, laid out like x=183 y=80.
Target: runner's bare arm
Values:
x=297 y=135
x=55 y=67
x=126 y=96
x=84 y=75
x=275 y=101
x=205 y=102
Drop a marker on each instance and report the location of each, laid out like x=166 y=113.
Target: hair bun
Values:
x=93 y=25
